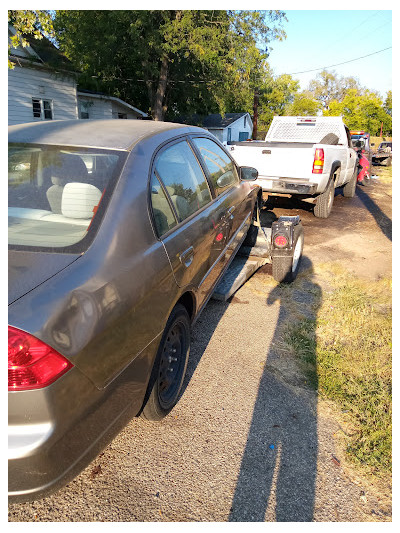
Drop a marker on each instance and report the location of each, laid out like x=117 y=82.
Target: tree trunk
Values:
x=158 y=107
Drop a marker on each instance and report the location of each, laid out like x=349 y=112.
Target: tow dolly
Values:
x=280 y=243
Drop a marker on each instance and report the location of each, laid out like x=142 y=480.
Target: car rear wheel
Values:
x=170 y=366
x=286 y=268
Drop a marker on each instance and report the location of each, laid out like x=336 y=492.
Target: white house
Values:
x=226 y=128
x=230 y=127
x=43 y=86
x=100 y=106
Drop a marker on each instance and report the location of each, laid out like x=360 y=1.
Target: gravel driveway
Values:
x=249 y=440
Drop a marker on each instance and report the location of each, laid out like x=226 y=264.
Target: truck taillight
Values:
x=319 y=157
x=32 y=364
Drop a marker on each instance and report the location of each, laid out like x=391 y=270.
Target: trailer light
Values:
x=280 y=241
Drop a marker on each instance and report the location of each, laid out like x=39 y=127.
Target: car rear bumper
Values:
x=53 y=433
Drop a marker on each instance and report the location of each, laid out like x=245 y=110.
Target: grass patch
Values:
x=384 y=174
x=345 y=349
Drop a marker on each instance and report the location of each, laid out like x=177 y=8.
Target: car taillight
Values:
x=32 y=364
x=318 y=161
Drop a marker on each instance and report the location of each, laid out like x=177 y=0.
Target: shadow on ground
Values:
x=383 y=221
x=279 y=463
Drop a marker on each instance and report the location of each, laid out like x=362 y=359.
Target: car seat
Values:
x=70 y=168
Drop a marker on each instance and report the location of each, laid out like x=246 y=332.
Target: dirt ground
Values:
x=358 y=233
x=248 y=441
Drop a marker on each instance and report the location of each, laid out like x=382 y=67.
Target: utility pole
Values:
x=255 y=114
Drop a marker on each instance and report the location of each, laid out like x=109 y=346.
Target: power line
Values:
x=343 y=63
x=347 y=34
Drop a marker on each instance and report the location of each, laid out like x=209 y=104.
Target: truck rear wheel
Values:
x=349 y=190
x=286 y=268
x=324 y=202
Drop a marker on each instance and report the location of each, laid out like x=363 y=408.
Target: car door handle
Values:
x=186 y=257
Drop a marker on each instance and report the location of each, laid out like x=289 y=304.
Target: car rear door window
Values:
x=223 y=173
x=164 y=217
x=183 y=178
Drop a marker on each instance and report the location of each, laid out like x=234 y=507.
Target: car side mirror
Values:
x=226 y=179
x=248 y=173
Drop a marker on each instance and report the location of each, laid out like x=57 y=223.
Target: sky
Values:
x=317 y=39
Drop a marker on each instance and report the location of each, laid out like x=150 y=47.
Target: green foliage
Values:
x=361 y=112
x=388 y=103
x=276 y=93
x=327 y=86
x=303 y=104
x=25 y=22
x=170 y=62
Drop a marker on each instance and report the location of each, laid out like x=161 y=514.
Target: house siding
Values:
x=99 y=108
x=27 y=83
x=236 y=127
x=118 y=108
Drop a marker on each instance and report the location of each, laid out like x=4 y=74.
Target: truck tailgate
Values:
x=274 y=159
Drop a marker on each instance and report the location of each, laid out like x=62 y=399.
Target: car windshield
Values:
x=55 y=193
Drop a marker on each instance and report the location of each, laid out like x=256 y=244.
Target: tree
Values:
x=364 y=112
x=276 y=93
x=25 y=22
x=170 y=61
x=303 y=104
x=328 y=86
x=388 y=103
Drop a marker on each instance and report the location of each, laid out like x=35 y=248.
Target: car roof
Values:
x=114 y=134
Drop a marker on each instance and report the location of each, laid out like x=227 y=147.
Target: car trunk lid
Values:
x=27 y=270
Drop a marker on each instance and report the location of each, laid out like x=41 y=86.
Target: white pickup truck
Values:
x=304 y=156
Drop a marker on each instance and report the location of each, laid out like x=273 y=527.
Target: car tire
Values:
x=324 y=202
x=285 y=269
x=349 y=190
x=169 y=367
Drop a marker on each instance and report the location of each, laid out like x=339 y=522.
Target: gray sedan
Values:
x=118 y=234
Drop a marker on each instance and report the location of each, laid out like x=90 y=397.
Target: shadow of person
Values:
x=279 y=463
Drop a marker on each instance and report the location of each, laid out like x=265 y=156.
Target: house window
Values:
x=122 y=115
x=229 y=134
x=42 y=109
x=84 y=109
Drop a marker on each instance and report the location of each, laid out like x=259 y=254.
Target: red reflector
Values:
x=280 y=241
x=32 y=364
x=219 y=237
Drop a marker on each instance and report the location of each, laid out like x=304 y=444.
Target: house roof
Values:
x=42 y=52
x=218 y=121
x=213 y=121
x=90 y=94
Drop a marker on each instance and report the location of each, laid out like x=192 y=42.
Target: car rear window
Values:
x=56 y=194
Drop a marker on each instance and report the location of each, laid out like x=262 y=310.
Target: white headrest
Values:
x=79 y=199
